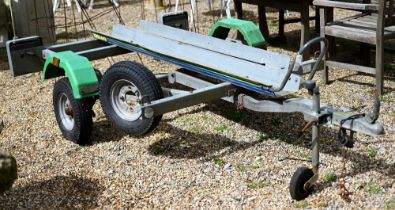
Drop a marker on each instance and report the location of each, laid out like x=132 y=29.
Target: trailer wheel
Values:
x=99 y=75
x=74 y=116
x=299 y=178
x=121 y=90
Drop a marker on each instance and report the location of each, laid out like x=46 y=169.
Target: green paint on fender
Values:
x=252 y=34
x=78 y=69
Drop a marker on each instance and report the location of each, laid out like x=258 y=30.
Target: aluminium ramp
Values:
x=239 y=64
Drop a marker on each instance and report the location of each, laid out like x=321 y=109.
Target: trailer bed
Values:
x=241 y=65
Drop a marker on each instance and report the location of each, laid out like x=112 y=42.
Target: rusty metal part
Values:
x=239 y=103
x=344 y=193
x=69 y=111
x=306 y=126
x=313 y=180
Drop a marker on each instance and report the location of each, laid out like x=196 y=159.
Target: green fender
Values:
x=251 y=33
x=78 y=69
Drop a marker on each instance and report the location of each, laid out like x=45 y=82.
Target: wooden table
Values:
x=301 y=6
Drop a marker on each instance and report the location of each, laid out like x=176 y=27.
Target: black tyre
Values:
x=299 y=178
x=99 y=75
x=121 y=89
x=74 y=116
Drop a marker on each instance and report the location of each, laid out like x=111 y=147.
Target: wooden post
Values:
x=263 y=27
x=305 y=32
x=4 y=23
x=5 y=31
x=281 y=22
x=34 y=17
x=239 y=8
x=380 y=48
x=326 y=15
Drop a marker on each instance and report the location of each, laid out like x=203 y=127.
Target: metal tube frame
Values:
x=316 y=113
x=312 y=109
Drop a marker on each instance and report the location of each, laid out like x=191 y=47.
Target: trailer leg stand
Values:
x=315 y=157
x=315 y=139
x=303 y=180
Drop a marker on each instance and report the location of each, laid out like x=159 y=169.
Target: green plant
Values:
x=390 y=204
x=372 y=153
x=197 y=129
x=368 y=90
x=219 y=162
x=301 y=204
x=262 y=137
x=255 y=166
x=356 y=108
x=273 y=23
x=234 y=116
x=188 y=120
x=322 y=205
x=184 y=142
x=258 y=185
x=386 y=98
x=242 y=169
x=303 y=155
x=372 y=188
x=276 y=121
x=330 y=177
x=221 y=128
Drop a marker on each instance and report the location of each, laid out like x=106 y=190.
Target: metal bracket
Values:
x=313 y=180
x=172 y=103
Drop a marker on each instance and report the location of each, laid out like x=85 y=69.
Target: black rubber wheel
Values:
x=99 y=75
x=74 y=116
x=299 y=178
x=123 y=85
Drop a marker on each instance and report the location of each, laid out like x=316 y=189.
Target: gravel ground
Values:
x=205 y=156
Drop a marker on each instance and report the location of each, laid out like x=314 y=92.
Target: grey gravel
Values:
x=189 y=161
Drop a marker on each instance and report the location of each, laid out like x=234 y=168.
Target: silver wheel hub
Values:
x=125 y=100
x=66 y=112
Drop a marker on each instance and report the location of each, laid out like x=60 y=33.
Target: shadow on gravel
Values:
x=182 y=144
x=284 y=127
x=387 y=90
x=104 y=132
x=291 y=41
x=59 y=192
x=3 y=60
x=185 y=144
